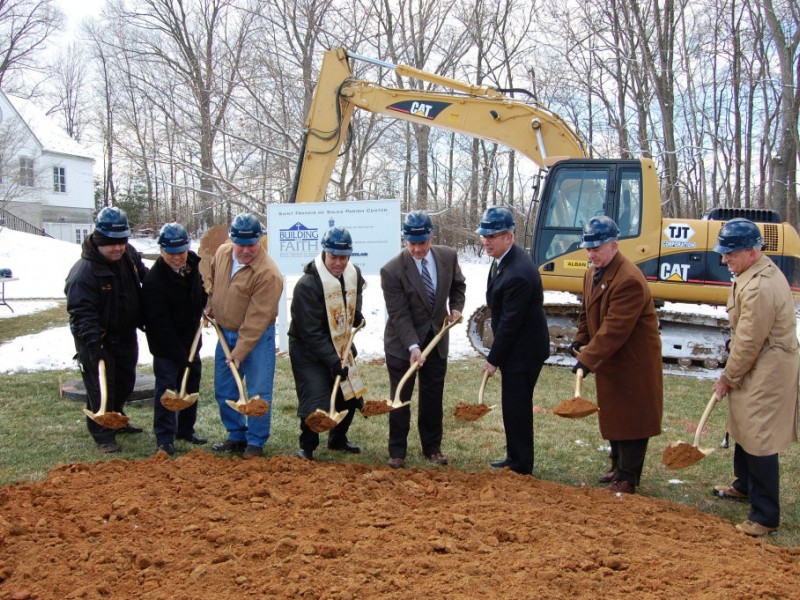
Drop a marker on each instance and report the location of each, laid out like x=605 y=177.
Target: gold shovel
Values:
x=576 y=407
x=473 y=412
x=252 y=407
x=679 y=455
x=397 y=403
x=111 y=420
x=178 y=401
x=320 y=420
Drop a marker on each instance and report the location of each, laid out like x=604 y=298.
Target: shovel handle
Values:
x=706 y=413
x=427 y=350
x=482 y=389
x=227 y=351
x=192 y=351
x=345 y=354
x=101 y=375
x=578 y=382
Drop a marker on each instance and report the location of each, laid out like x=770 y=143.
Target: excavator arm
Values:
x=479 y=111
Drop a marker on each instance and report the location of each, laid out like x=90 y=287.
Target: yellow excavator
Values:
x=674 y=254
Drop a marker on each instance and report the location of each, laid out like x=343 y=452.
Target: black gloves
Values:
x=579 y=365
x=96 y=353
x=575 y=347
x=337 y=370
x=358 y=318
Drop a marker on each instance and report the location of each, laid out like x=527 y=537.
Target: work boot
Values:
x=253 y=452
x=229 y=447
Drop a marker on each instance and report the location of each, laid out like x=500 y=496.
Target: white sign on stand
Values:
x=294 y=237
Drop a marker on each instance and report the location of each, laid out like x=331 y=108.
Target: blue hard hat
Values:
x=738 y=234
x=598 y=231
x=337 y=241
x=173 y=238
x=112 y=222
x=417 y=226
x=245 y=230
x=496 y=219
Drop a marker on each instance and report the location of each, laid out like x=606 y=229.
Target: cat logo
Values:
x=670 y=272
x=576 y=264
x=416 y=108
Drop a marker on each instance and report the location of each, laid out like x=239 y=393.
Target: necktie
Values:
x=493 y=269
x=598 y=273
x=428 y=282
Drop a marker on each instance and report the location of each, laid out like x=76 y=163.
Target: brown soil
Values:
x=319 y=422
x=112 y=420
x=374 y=408
x=254 y=407
x=470 y=412
x=176 y=403
x=206 y=527
x=575 y=408
x=681 y=455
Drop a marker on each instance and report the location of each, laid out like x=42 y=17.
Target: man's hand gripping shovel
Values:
x=320 y=420
x=252 y=407
x=178 y=401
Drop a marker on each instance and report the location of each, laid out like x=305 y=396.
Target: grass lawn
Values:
x=38 y=431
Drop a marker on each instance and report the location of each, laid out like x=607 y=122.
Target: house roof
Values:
x=46 y=131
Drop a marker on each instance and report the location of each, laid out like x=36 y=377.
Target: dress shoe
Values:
x=622 y=487
x=130 y=429
x=109 y=447
x=348 y=447
x=305 y=454
x=168 y=448
x=729 y=492
x=607 y=477
x=499 y=464
x=438 y=458
x=253 y=452
x=397 y=463
x=756 y=529
x=194 y=439
x=229 y=447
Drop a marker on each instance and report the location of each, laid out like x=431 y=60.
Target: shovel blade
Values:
x=109 y=420
x=680 y=455
x=255 y=407
x=396 y=403
x=320 y=421
x=176 y=403
x=471 y=412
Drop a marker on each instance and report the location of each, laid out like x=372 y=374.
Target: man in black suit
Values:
x=421 y=286
x=521 y=344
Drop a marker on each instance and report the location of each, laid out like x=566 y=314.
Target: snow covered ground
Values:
x=42 y=264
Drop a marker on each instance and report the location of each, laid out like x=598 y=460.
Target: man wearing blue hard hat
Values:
x=422 y=286
x=245 y=286
x=174 y=299
x=515 y=296
x=760 y=378
x=618 y=340
x=104 y=303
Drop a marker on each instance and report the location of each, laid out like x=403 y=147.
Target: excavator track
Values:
x=688 y=338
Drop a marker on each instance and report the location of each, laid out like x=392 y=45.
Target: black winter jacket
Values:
x=104 y=297
x=173 y=305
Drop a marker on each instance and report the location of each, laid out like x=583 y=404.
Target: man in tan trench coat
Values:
x=618 y=340
x=761 y=375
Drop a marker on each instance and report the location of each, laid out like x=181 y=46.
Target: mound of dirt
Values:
x=205 y=527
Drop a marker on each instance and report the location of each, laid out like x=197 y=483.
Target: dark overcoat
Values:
x=619 y=325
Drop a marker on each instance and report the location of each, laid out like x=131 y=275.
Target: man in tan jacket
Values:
x=761 y=375
x=245 y=288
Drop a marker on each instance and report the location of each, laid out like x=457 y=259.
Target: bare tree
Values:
x=25 y=26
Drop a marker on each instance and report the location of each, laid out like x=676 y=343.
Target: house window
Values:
x=59 y=179
x=26 y=171
x=78 y=238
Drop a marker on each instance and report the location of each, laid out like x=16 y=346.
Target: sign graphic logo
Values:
x=299 y=238
x=678 y=235
x=674 y=272
x=424 y=110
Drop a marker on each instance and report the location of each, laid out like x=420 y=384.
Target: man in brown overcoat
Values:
x=618 y=340
x=761 y=375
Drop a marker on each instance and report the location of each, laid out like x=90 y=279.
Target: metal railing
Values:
x=12 y=221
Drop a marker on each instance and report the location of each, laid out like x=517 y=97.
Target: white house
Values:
x=45 y=176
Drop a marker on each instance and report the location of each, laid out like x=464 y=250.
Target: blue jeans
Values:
x=258 y=371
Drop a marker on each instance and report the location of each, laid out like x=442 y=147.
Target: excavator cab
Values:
x=575 y=191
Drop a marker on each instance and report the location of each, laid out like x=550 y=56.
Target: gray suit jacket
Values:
x=411 y=317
